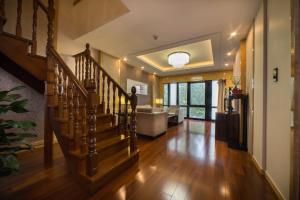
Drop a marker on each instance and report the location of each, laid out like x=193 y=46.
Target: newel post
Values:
x=133 y=138
x=92 y=119
x=51 y=91
x=2 y=15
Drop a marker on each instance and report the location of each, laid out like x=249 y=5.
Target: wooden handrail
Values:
x=69 y=72
x=111 y=79
x=43 y=6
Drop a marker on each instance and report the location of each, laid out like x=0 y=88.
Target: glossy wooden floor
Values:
x=185 y=163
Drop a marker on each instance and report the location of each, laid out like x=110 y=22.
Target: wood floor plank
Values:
x=186 y=163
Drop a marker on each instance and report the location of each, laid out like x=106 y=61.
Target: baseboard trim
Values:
x=257 y=166
x=268 y=178
x=274 y=186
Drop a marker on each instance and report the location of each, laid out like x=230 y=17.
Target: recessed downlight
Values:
x=142 y=67
x=125 y=59
x=226 y=64
x=229 y=54
x=233 y=34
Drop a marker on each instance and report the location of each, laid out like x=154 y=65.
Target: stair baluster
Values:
x=133 y=138
x=50 y=16
x=119 y=109
x=65 y=96
x=19 y=16
x=98 y=81
x=92 y=119
x=103 y=91
x=77 y=130
x=76 y=66
x=82 y=68
x=126 y=117
x=83 y=130
x=114 y=101
x=60 y=92
x=108 y=96
x=71 y=109
x=2 y=15
x=87 y=64
x=34 y=27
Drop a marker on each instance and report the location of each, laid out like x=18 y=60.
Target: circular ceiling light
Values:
x=178 y=59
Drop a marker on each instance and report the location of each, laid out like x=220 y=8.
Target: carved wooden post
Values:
x=34 y=27
x=103 y=92
x=87 y=65
x=19 y=15
x=77 y=130
x=83 y=130
x=71 y=108
x=119 y=107
x=2 y=15
x=133 y=138
x=92 y=119
x=114 y=104
x=50 y=15
x=108 y=96
x=126 y=117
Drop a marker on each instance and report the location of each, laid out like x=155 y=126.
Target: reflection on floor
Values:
x=185 y=163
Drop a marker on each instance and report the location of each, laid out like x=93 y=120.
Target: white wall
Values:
x=279 y=95
x=277 y=144
x=258 y=87
x=249 y=86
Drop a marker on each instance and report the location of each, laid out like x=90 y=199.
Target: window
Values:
x=182 y=97
x=198 y=100
x=166 y=94
x=182 y=94
x=173 y=94
x=197 y=93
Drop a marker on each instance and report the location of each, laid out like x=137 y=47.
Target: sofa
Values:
x=151 y=121
x=177 y=112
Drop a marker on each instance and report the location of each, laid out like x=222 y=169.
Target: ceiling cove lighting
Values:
x=178 y=59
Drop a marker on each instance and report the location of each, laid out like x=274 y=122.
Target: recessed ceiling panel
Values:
x=201 y=55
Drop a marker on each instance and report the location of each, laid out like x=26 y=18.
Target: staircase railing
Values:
x=86 y=67
x=48 y=10
x=75 y=97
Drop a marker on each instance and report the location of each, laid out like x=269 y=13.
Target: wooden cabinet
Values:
x=231 y=126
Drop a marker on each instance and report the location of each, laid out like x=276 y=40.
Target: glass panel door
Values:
x=197 y=100
x=182 y=97
x=173 y=94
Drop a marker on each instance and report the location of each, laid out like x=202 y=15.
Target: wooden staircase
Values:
x=96 y=132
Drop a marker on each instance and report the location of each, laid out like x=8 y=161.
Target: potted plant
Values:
x=13 y=133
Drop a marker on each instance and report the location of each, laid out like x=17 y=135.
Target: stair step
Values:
x=104 y=118
x=17 y=37
x=105 y=147
x=110 y=168
x=107 y=132
x=16 y=48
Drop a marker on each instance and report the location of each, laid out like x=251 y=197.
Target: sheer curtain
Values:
x=221 y=95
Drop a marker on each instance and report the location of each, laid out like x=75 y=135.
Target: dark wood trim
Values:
x=295 y=173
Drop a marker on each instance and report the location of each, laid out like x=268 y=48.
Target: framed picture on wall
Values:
x=141 y=88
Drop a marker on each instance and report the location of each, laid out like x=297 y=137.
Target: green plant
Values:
x=13 y=133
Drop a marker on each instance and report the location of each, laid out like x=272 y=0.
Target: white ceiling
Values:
x=176 y=22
